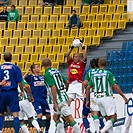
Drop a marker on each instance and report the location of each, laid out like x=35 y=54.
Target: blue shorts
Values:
x=41 y=106
x=9 y=98
x=85 y=110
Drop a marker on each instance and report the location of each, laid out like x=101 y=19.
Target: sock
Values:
x=86 y=123
x=76 y=128
x=1 y=122
x=108 y=125
x=96 y=123
x=24 y=128
x=60 y=127
x=16 y=124
x=39 y=120
x=110 y=130
x=36 y=125
x=47 y=125
x=101 y=122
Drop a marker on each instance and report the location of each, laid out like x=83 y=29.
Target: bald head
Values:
x=102 y=62
x=7 y=56
x=46 y=62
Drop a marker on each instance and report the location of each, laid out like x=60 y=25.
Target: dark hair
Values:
x=7 y=56
x=74 y=11
x=46 y=62
x=92 y=63
x=32 y=67
x=13 y=6
x=96 y=62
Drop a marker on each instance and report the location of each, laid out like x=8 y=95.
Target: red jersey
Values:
x=75 y=70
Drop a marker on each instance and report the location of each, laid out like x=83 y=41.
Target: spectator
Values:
x=59 y=2
x=85 y=2
x=74 y=20
x=13 y=14
x=3 y=2
x=96 y=2
x=48 y=3
x=4 y=14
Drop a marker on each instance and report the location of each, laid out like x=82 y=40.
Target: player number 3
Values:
x=6 y=72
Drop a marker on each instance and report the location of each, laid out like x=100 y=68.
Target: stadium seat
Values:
x=48 y=10
x=2 y=25
x=70 y=2
x=57 y=10
x=60 y=57
x=96 y=40
x=100 y=32
x=111 y=8
x=13 y=41
x=53 y=18
x=69 y=40
x=34 y=18
x=77 y=8
x=52 y=41
x=25 y=18
x=94 y=9
x=43 y=41
x=74 y=51
x=82 y=17
x=56 y=49
x=29 y=49
x=108 y=2
x=64 y=48
x=55 y=65
x=61 y=40
x=124 y=2
x=20 y=9
x=46 y=33
x=29 y=10
x=8 y=33
x=91 y=32
x=86 y=9
x=109 y=32
x=63 y=18
x=59 y=25
x=38 y=10
x=52 y=57
x=122 y=24
x=21 y=25
x=56 y=33
x=9 y=49
x=104 y=24
x=34 y=57
x=24 y=57
x=113 y=24
x=27 y=33
x=15 y=57
x=1 y=49
x=0 y=33
x=28 y=65
x=42 y=56
x=91 y=17
x=23 y=3
x=17 y=33
x=40 y=25
x=66 y=10
x=14 y=2
x=108 y=17
x=99 y=17
x=116 y=2
x=65 y=32
x=82 y=32
x=19 y=49
x=44 y=18
x=30 y=25
x=120 y=8
x=47 y=49
x=126 y=16
x=116 y=16
x=103 y=8
x=33 y=41
x=50 y=25
x=23 y=41
x=78 y=2
x=36 y=33
x=74 y=32
x=95 y=24
x=4 y=41
x=11 y=25
x=80 y=49
x=32 y=2
x=87 y=41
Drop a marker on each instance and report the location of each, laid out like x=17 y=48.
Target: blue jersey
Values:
x=12 y=74
x=38 y=86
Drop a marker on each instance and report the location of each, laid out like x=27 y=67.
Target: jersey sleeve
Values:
x=112 y=79
x=87 y=76
x=24 y=82
x=70 y=61
x=49 y=79
x=83 y=63
x=18 y=74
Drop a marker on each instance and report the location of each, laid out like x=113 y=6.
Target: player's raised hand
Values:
x=3 y=82
x=28 y=70
x=87 y=104
x=31 y=99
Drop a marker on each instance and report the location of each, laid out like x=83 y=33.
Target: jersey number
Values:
x=6 y=77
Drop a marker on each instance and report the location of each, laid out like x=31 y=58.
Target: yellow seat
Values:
x=36 y=33
x=95 y=24
x=64 y=48
x=0 y=33
x=104 y=24
x=67 y=10
x=33 y=41
x=26 y=33
x=108 y=17
x=77 y=8
x=15 y=57
x=14 y=2
x=46 y=33
x=60 y=57
x=34 y=18
x=2 y=25
x=20 y=9
x=47 y=49
x=61 y=40
x=1 y=49
x=25 y=18
x=103 y=8
x=34 y=57
x=7 y=33
x=70 y=2
x=29 y=49
x=121 y=24
x=86 y=24
x=82 y=17
x=80 y=49
x=23 y=3
x=108 y=2
x=23 y=41
x=113 y=24
x=29 y=10
x=116 y=16
x=65 y=32
x=55 y=65
x=21 y=65
x=32 y=2
x=109 y=32
x=38 y=10
x=120 y=8
x=99 y=17
x=116 y=2
x=74 y=32
x=30 y=25
x=57 y=10
x=111 y=8
x=17 y=33
x=4 y=41
x=91 y=17
x=28 y=65
x=56 y=49
x=44 y=18
x=21 y=25
x=100 y=32
x=91 y=32
x=50 y=25
x=87 y=40
x=13 y=41
x=19 y=49
x=11 y=25
x=124 y=2
x=59 y=25
x=126 y=16
x=52 y=57
x=69 y=40
x=94 y=9
x=82 y=32
x=56 y=33
x=24 y=58
x=42 y=56
x=53 y=18
x=9 y=49
x=95 y=40
x=43 y=41
x=52 y=41
x=86 y=9
x=38 y=49
x=63 y=18
x=48 y=10
x=40 y=25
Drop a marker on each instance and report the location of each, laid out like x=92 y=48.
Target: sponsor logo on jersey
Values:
x=39 y=83
x=73 y=71
x=8 y=83
x=6 y=67
x=75 y=66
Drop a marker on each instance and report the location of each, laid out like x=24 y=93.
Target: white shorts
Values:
x=26 y=108
x=63 y=109
x=75 y=90
x=93 y=102
x=107 y=106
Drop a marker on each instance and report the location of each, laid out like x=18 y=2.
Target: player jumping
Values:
x=56 y=82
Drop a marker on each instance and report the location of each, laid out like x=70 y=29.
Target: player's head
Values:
x=77 y=57
x=73 y=12
x=92 y=63
x=96 y=62
x=35 y=68
x=102 y=63
x=46 y=63
x=13 y=7
x=7 y=57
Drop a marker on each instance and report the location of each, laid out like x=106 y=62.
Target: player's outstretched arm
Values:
x=28 y=71
x=54 y=94
x=118 y=90
x=69 y=52
x=21 y=86
x=84 y=53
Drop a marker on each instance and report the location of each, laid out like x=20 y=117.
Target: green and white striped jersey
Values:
x=102 y=82
x=54 y=77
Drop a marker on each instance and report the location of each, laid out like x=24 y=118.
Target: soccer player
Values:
x=26 y=108
x=103 y=82
x=9 y=94
x=76 y=68
x=39 y=92
x=57 y=88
